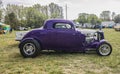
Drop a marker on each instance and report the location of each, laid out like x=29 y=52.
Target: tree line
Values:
x=33 y=16
x=94 y=19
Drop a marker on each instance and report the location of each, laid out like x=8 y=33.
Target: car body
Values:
x=61 y=35
x=117 y=27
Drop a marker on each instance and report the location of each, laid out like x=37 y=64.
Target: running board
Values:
x=90 y=49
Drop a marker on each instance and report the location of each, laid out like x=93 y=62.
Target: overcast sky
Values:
x=75 y=6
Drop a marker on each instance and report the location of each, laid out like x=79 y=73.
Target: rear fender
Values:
x=25 y=40
x=30 y=39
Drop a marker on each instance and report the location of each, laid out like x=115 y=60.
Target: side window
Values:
x=62 y=26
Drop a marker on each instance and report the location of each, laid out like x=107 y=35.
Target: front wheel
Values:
x=104 y=49
x=29 y=48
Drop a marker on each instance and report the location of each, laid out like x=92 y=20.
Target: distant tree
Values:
x=105 y=15
x=0 y=9
x=88 y=18
x=92 y=18
x=113 y=15
x=55 y=11
x=0 y=2
x=99 y=21
x=42 y=9
x=83 y=18
x=12 y=20
x=0 y=15
x=117 y=18
x=34 y=18
x=17 y=10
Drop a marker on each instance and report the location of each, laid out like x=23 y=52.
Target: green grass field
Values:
x=11 y=61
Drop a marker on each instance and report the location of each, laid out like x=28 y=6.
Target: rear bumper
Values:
x=20 y=35
x=17 y=40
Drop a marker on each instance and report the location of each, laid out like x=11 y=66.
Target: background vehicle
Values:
x=117 y=27
x=97 y=26
x=62 y=35
x=4 y=28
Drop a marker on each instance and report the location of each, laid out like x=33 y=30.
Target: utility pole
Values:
x=66 y=10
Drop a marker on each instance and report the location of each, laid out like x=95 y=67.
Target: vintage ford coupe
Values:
x=61 y=35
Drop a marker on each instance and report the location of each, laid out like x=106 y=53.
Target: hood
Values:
x=87 y=31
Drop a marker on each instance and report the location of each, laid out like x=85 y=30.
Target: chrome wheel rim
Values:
x=29 y=48
x=104 y=49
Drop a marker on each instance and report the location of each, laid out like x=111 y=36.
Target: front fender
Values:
x=96 y=44
x=101 y=42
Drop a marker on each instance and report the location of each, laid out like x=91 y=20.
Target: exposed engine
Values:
x=92 y=35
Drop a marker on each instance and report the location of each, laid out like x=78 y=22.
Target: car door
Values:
x=66 y=36
x=49 y=38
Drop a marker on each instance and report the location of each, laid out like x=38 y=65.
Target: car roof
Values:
x=48 y=23
x=58 y=20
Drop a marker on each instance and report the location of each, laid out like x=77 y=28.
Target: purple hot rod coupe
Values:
x=61 y=35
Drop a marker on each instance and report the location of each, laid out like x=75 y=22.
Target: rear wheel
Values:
x=104 y=49
x=29 y=48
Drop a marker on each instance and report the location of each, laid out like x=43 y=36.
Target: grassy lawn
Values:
x=11 y=61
